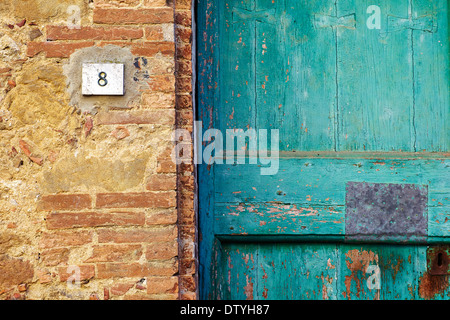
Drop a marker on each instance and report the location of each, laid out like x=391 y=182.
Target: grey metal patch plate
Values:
x=384 y=212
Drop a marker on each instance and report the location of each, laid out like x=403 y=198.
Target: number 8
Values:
x=102 y=79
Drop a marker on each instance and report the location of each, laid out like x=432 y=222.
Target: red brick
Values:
x=188 y=296
x=149 y=49
x=115 y=253
x=187 y=216
x=65 y=220
x=166 y=154
x=186 y=200
x=88 y=125
x=166 y=166
x=161 y=285
x=136 y=270
x=65 y=239
x=184 y=51
x=164 y=83
x=187 y=183
x=185 y=152
x=22 y=287
x=86 y=272
x=136 y=200
x=14 y=271
x=187 y=266
x=166 y=296
x=37 y=160
x=187 y=232
x=12 y=83
x=65 y=202
x=161 y=67
x=133 y=16
x=55 y=256
x=156 y=3
x=44 y=276
x=105 y=294
x=183 y=18
x=56 y=49
x=162 y=183
x=161 y=250
x=121 y=44
x=186 y=167
x=183 y=34
x=4 y=70
x=94 y=296
x=162 y=218
x=183 y=4
x=138 y=235
x=25 y=148
x=154 y=33
x=120 y=133
x=158 y=99
x=117 y=3
x=184 y=68
x=11 y=225
x=141 y=284
x=136 y=117
x=184 y=84
x=121 y=288
x=188 y=283
x=187 y=248
x=135 y=297
x=93 y=33
x=185 y=117
x=184 y=102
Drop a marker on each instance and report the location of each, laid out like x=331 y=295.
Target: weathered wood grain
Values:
x=279 y=219
x=207 y=73
x=375 y=81
x=353 y=104
x=312 y=271
x=315 y=189
x=432 y=77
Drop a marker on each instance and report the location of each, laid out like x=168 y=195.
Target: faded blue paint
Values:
x=353 y=105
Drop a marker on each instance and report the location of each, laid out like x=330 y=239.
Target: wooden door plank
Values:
x=323 y=181
x=308 y=196
x=381 y=272
x=207 y=73
x=375 y=86
x=237 y=67
x=281 y=271
x=298 y=272
x=239 y=271
x=271 y=66
x=315 y=271
x=277 y=74
x=309 y=79
x=431 y=76
x=316 y=88
x=265 y=219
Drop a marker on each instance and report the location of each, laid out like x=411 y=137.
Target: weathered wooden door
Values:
x=358 y=207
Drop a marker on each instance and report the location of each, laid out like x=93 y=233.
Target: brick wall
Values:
x=184 y=120
x=96 y=190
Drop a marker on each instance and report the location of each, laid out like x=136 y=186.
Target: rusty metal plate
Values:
x=386 y=212
x=438 y=260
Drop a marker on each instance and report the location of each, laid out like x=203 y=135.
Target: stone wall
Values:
x=88 y=186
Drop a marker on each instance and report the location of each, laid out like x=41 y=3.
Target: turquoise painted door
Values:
x=358 y=204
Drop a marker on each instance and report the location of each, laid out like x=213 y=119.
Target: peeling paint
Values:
x=248 y=289
x=357 y=262
x=432 y=286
